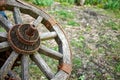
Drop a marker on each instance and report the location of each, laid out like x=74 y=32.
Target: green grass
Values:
x=78 y=43
x=77 y=62
x=2 y=29
x=73 y=23
x=106 y=4
x=106 y=43
x=113 y=25
x=117 y=67
x=43 y=2
x=66 y=1
x=113 y=21
x=35 y=73
x=87 y=51
x=64 y=14
x=81 y=77
x=113 y=13
x=52 y=63
x=112 y=4
x=101 y=50
x=88 y=28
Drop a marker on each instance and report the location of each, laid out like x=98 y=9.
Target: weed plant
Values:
x=66 y=1
x=43 y=3
x=106 y=4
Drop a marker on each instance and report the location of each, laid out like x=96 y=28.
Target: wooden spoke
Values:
x=61 y=75
x=8 y=65
x=50 y=53
x=42 y=65
x=5 y=23
x=4 y=46
x=37 y=21
x=3 y=36
x=25 y=70
x=17 y=15
x=48 y=35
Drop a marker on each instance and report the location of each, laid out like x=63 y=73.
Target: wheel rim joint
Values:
x=65 y=67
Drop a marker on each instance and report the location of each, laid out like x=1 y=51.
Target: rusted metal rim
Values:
x=65 y=67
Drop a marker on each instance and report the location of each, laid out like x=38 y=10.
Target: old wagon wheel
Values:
x=25 y=40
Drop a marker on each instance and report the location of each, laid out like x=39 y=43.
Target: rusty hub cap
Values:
x=24 y=39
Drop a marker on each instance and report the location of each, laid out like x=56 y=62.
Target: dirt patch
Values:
x=94 y=43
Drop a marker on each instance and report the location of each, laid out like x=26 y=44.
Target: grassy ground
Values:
x=94 y=36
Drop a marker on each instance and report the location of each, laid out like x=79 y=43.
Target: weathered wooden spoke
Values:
x=17 y=15
x=4 y=46
x=3 y=36
x=25 y=68
x=6 y=24
x=61 y=75
x=42 y=65
x=8 y=65
x=24 y=39
x=48 y=35
x=50 y=53
x=37 y=21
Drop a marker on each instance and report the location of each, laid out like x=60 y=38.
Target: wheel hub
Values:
x=24 y=39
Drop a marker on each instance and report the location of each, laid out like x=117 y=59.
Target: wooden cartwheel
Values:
x=24 y=41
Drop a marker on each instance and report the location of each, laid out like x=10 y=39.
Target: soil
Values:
x=94 y=42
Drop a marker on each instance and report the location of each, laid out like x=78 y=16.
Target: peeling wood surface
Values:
x=50 y=53
x=5 y=23
x=8 y=65
x=48 y=35
x=42 y=65
x=25 y=67
x=4 y=46
x=3 y=36
x=17 y=15
x=61 y=75
x=37 y=21
x=64 y=48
